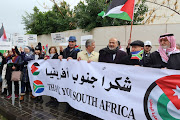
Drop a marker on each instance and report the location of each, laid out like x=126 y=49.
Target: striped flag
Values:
x=45 y=49
x=3 y=36
x=78 y=48
x=137 y=55
x=122 y=9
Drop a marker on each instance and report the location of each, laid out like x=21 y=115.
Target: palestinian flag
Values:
x=137 y=55
x=34 y=69
x=122 y=9
x=3 y=36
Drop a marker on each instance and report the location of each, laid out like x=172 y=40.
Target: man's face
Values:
x=165 y=43
x=37 y=52
x=113 y=44
x=10 y=52
x=147 y=48
x=72 y=44
x=136 y=48
x=92 y=47
x=26 y=50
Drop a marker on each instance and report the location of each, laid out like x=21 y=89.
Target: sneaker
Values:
x=32 y=97
x=21 y=98
x=9 y=97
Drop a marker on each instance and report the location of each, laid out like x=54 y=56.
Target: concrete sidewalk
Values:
x=28 y=110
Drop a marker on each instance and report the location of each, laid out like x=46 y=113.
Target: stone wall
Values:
x=101 y=35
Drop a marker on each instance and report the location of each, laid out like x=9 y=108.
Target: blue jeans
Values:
x=0 y=78
x=25 y=87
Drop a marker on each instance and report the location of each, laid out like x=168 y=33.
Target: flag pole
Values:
x=131 y=31
x=131 y=26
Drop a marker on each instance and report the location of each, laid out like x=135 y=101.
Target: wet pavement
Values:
x=29 y=110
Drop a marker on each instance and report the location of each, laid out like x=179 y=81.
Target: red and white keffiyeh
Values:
x=172 y=50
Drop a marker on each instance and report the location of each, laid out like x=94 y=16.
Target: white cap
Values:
x=147 y=43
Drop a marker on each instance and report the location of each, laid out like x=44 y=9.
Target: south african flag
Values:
x=137 y=55
x=38 y=86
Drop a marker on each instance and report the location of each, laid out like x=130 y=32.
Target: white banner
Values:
x=109 y=91
x=5 y=45
x=58 y=37
x=85 y=38
x=31 y=38
x=20 y=40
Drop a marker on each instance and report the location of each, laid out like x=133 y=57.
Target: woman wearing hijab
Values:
x=167 y=56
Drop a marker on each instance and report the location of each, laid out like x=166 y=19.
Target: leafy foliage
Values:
x=50 y=21
x=84 y=16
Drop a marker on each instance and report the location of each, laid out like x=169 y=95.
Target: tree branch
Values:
x=164 y=6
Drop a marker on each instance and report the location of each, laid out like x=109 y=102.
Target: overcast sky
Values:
x=11 y=12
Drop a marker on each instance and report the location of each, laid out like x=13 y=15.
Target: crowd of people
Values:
x=166 y=57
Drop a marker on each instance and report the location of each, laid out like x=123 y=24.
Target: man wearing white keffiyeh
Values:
x=167 y=56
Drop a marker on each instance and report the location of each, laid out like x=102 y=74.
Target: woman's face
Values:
x=52 y=51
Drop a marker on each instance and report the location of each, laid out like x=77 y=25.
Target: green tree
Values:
x=86 y=15
x=49 y=22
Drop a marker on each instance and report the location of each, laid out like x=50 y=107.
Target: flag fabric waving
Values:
x=45 y=49
x=3 y=36
x=122 y=9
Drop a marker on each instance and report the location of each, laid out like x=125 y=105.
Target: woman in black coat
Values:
x=52 y=55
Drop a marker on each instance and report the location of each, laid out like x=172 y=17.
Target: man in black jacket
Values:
x=167 y=56
x=71 y=51
x=111 y=54
x=136 y=46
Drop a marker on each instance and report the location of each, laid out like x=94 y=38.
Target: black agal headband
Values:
x=166 y=35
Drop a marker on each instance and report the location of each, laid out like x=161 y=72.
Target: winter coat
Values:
x=106 y=55
x=67 y=53
x=155 y=61
x=128 y=61
x=26 y=57
x=55 y=56
x=17 y=64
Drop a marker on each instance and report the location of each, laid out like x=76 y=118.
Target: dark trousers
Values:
x=9 y=83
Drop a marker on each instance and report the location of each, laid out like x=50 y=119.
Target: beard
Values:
x=111 y=48
x=165 y=47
